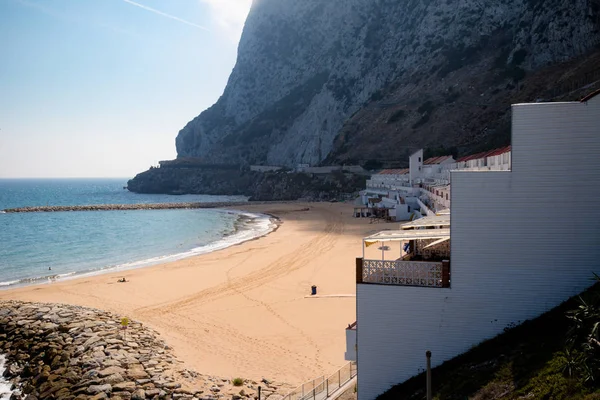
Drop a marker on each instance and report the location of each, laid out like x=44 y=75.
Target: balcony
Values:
x=403 y=273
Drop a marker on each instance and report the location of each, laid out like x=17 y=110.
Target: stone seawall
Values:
x=66 y=352
x=154 y=206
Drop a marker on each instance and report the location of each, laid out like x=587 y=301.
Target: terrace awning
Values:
x=433 y=220
x=442 y=240
x=406 y=235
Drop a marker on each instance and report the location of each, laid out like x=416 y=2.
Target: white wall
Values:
x=350 y=354
x=415 y=164
x=542 y=249
x=401 y=212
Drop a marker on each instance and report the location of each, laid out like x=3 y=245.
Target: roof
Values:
x=433 y=220
x=442 y=240
x=436 y=160
x=590 y=96
x=394 y=171
x=410 y=234
x=485 y=154
x=472 y=157
x=499 y=151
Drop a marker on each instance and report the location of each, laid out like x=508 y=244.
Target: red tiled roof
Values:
x=470 y=157
x=499 y=151
x=394 y=171
x=590 y=96
x=485 y=154
x=435 y=160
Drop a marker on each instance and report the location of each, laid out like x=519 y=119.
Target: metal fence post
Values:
x=339 y=378
x=327 y=386
x=428 y=355
x=314 y=394
x=303 y=390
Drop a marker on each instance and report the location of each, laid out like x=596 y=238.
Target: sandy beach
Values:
x=244 y=311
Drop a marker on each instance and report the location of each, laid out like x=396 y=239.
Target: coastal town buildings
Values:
x=424 y=187
x=520 y=236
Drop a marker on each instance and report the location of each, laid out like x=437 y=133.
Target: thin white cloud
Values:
x=229 y=16
x=155 y=11
x=77 y=20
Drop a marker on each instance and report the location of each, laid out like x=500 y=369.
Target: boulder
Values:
x=139 y=394
x=137 y=372
x=124 y=386
x=111 y=371
x=114 y=379
x=94 y=389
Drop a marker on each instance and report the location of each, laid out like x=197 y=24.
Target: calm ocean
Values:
x=75 y=243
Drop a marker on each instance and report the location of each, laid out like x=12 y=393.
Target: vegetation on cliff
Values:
x=258 y=186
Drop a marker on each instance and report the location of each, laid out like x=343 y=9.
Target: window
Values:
x=419 y=159
x=419 y=168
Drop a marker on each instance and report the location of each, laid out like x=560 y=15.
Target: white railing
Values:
x=427 y=210
x=403 y=273
x=321 y=388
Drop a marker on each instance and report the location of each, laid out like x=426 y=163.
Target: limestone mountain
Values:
x=355 y=80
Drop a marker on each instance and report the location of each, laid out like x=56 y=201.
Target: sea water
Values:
x=5 y=385
x=46 y=247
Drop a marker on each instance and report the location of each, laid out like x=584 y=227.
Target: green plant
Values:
x=583 y=337
x=237 y=381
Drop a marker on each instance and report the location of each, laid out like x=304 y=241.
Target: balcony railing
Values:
x=403 y=273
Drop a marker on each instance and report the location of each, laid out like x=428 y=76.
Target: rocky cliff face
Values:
x=352 y=79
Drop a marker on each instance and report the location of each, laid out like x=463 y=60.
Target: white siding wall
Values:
x=522 y=242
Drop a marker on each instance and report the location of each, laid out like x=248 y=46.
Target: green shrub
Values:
x=237 y=381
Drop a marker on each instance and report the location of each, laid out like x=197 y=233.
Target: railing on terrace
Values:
x=321 y=388
x=424 y=209
x=388 y=185
x=403 y=273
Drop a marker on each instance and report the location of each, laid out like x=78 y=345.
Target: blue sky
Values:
x=100 y=88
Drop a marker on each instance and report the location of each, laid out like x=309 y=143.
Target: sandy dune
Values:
x=243 y=311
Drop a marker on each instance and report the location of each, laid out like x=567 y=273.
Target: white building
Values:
x=391 y=179
x=415 y=167
x=523 y=241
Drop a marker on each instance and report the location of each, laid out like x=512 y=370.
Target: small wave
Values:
x=5 y=386
x=249 y=226
x=2 y=212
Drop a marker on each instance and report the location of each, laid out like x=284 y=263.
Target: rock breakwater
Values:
x=149 y=206
x=66 y=352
